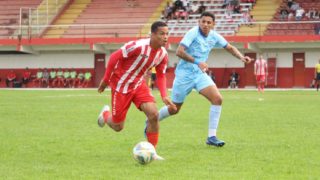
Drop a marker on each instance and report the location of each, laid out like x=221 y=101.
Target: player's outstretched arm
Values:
x=234 y=51
x=181 y=53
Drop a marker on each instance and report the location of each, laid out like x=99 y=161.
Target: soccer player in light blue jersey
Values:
x=193 y=51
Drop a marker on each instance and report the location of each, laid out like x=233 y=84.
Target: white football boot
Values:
x=101 y=121
x=157 y=157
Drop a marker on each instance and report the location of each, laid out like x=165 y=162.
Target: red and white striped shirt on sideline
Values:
x=135 y=61
x=260 y=67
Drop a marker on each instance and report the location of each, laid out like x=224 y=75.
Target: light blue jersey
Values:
x=199 y=47
x=188 y=75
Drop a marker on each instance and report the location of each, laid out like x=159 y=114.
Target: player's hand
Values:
x=168 y=102
x=102 y=86
x=246 y=59
x=203 y=66
x=254 y=73
x=266 y=74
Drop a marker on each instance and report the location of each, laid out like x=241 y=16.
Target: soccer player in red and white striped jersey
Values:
x=129 y=66
x=260 y=71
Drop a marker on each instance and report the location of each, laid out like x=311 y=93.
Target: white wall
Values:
x=311 y=59
x=284 y=59
x=68 y=60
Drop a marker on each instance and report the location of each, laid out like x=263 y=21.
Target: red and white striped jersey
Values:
x=260 y=67
x=137 y=59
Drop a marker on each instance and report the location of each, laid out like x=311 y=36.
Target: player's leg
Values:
x=318 y=79
x=258 y=79
x=206 y=87
x=263 y=78
x=74 y=82
x=84 y=82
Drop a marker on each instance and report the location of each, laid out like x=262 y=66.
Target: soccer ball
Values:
x=144 y=153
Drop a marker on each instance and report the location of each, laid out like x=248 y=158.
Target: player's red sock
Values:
x=39 y=83
x=106 y=114
x=262 y=84
x=87 y=84
x=83 y=84
x=153 y=138
x=33 y=83
x=79 y=83
x=259 y=86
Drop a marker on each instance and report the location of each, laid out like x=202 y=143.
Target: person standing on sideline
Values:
x=26 y=77
x=11 y=78
x=317 y=74
x=193 y=52
x=133 y=61
x=260 y=71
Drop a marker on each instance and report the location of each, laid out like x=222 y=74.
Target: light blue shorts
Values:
x=183 y=86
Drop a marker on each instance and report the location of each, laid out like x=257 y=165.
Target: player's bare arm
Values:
x=266 y=70
x=255 y=70
x=168 y=102
x=234 y=51
x=181 y=53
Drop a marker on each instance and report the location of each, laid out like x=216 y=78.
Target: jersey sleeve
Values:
x=221 y=41
x=161 y=76
x=266 y=65
x=189 y=38
x=128 y=49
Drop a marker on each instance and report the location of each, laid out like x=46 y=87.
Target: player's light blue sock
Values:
x=214 y=117
x=163 y=113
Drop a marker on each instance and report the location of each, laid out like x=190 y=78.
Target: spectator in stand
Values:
x=176 y=15
x=194 y=8
x=188 y=9
x=234 y=77
x=313 y=13
x=229 y=8
x=38 y=78
x=45 y=77
x=284 y=13
x=299 y=13
x=166 y=10
x=11 y=78
x=185 y=3
x=234 y=2
x=295 y=6
x=229 y=18
x=73 y=76
x=307 y=14
x=66 y=78
x=289 y=3
x=53 y=75
x=316 y=28
x=211 y=75
x=26 y=77
x=245 y=18
x=79 y=79
x=236 y=9
x=169 y=16
x=251 y=20
x=173 y=8
x=202 y=8
x=183 y=14
x=87 y=78
x=178 y=4
x=224 y=4
x=290 y=16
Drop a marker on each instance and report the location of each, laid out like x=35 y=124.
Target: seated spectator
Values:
x=194 y=8
x=313 y=13
x=234 y=2
x=178 y=4
x=234 y=78
x=185 y=3
x=236 y=9
x=87 y=78
x=245 y=18
x=307 y=14
x=251 y=19
x=225 y=3
x=169 y=16
x=229 y=18
x=295 y=6
x=26 y=77
x=73 y=76
x=299 y=13
x=202 y=8
x=79 y=79
x=166 y=10
x=45 y=77
x=211 y=75
x=11 y=78
x=290 y=16
x=229 y=8
x=38 y=78
x=66 y=78
x=176 y=15
x=284 y=13
x=53 y=75
x=183 y=15
x=289 y=3
x=187 y=8
x=173 y=8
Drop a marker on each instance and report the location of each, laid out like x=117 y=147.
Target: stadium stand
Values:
x=100 y=12
x=293 y=28
x=10 y=15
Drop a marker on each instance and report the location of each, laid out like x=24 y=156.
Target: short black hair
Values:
x=210 y=14
x=155 y=25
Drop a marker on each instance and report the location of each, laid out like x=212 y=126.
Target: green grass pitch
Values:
x=54 y=135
